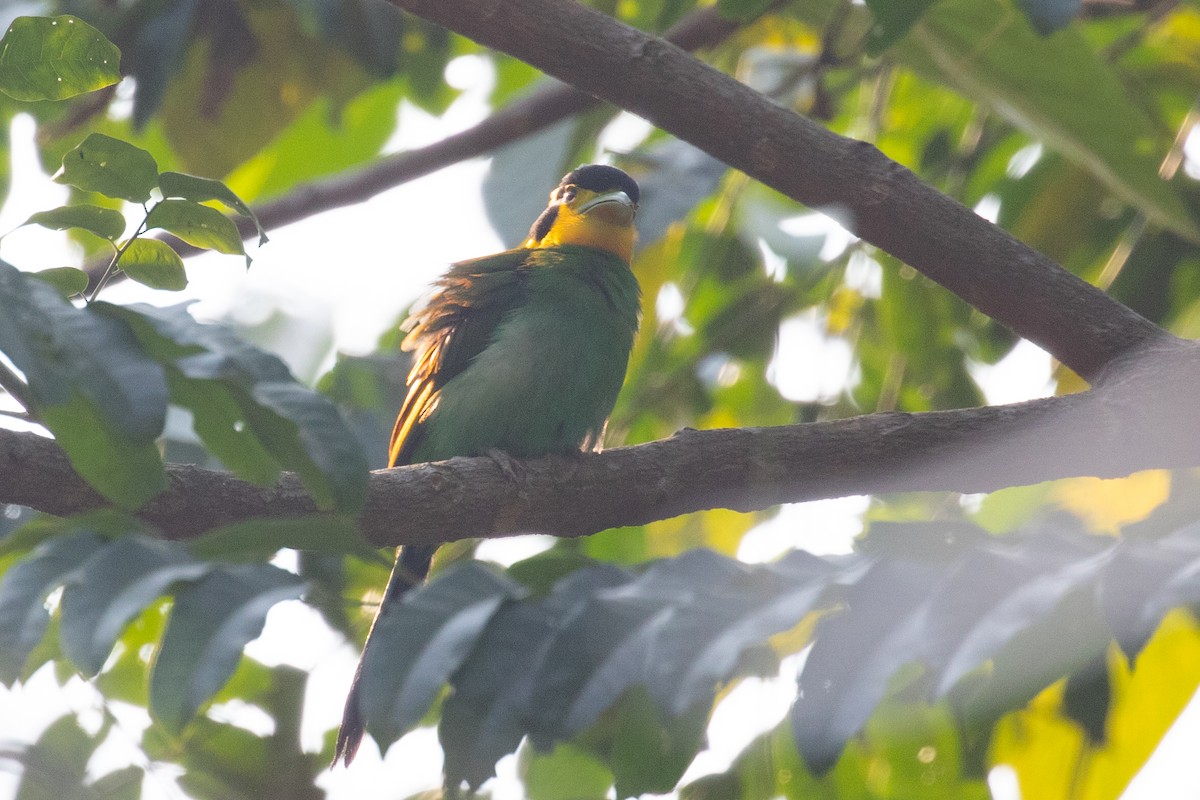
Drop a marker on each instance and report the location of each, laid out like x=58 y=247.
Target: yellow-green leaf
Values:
x=104 y=222
x=53 y=58
x=153 y=263
x=198 y=225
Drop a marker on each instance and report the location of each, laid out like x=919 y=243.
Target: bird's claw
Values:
x=509 y=465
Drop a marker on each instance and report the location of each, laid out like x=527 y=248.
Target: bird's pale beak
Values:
x=613 y=207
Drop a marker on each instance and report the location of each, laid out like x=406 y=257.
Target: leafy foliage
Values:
x=603 y=643
x=931 y=654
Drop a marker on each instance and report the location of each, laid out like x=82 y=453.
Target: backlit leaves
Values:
x=154 y=264
x=53 y=58
x=608 y=653
x=111 y=167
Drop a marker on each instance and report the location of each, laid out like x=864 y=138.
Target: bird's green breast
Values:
x=550 y=373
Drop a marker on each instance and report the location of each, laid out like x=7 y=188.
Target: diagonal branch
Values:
x=880 y=200
x=700 y=29
x=1138 y=420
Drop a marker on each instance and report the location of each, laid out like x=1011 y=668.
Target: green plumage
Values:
x=524 y=352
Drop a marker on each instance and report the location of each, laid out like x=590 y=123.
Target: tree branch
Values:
x=880 y=200
x=544 y=107
x=1139 y=419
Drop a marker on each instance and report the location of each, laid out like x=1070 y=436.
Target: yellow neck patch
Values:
x=588 y=230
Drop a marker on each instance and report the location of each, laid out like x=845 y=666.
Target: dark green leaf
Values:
x=23 y=591
x=111 y=588
x=53 y=58
x=744 y=10
x=856 y=652
x=200 y=190
x=55 y=765
x=567 y=773
x=893 y=19
x=417 y=645
x=154 y=264
x=328 y=457
x=1024 y=604
x=111 y=167
x=157 y=52
x=198 y=225
x=124 y=784
x=651 y=753
x=1087 y=698
x=67 y=280
x=298 y=427
x=210 y=624
x=218 y=419
x=485 y=716
x=96 y=391
x=104 y=222
x=1048 y=16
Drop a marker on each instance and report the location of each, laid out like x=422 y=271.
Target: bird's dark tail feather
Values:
x=410 y=569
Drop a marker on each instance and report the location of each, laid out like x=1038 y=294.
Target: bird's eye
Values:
x=568 y=194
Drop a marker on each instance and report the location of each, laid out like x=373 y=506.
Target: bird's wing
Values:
x=453 y=327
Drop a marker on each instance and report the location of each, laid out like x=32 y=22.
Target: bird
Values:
x=521 y=353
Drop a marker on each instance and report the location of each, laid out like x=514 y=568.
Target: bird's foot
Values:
x=508 y=465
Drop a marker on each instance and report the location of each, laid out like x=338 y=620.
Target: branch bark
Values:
x=1137 y=420
x=880 y=200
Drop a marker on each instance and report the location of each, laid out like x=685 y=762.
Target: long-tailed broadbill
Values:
x=521 y=352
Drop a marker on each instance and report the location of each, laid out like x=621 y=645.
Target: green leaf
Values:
x=485 y=717
x=419 y=644
x=123 y=784
x=53 y=58
x=198 y=225
x=56 y=764
x=893 y=19
x=126 y=471
x=94 y=388
x=200 y=190
x=111 y=167
x=650 y=753
x=111 y=588
x=567 y=773
x=219 y=421
x=310 y=437
x=299 y=428
x=838 y=690
x=1057 y=89
x=155 y=264
x=67 y=280
x=743 y=10
x=23 y=591
x=104 y=222
x=210 y=624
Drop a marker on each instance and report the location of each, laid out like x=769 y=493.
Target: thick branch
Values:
x=541 y=109
x=1141 y=419
x=881 y=201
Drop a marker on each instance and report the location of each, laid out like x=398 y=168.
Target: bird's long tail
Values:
x=409 y=571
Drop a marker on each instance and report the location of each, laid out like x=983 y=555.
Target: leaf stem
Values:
x=111 y=269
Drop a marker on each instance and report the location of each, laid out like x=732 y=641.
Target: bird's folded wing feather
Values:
x=453 y=327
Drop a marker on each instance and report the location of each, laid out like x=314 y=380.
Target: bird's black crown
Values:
x=602 y=178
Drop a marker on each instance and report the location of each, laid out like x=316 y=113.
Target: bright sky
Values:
x=354 y=270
